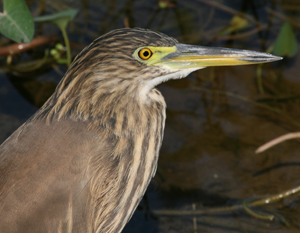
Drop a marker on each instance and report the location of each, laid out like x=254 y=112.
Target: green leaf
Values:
x=60 y=19
x=237 y=23
x=16 y=21
x=286 y=42
x=162 y=5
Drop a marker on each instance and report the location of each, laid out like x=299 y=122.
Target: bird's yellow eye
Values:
x=145 y=53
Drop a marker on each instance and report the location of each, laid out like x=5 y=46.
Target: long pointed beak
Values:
x=189 y=56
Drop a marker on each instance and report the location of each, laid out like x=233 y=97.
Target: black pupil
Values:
x=146 y=53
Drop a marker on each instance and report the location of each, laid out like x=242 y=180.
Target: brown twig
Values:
x=229 y=10
x=219 y=210
x=277 y=141
x=291 y=7
x=242 y=35
x=283 y=17
x=20 y=47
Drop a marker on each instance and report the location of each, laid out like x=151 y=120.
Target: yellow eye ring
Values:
x=145 y=53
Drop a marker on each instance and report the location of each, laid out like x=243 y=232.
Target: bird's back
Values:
x=44 y=183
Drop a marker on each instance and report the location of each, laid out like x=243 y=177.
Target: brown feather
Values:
x=83 y=162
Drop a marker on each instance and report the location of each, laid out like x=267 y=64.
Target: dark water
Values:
x=216 y=118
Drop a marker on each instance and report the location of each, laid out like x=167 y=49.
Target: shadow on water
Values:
x=216 y=118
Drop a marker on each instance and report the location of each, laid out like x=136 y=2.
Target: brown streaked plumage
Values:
x=83 y=162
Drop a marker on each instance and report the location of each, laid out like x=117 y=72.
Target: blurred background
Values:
x=216 y=118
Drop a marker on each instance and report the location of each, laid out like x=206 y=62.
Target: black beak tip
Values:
x=262 y=58
x=275 y=58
